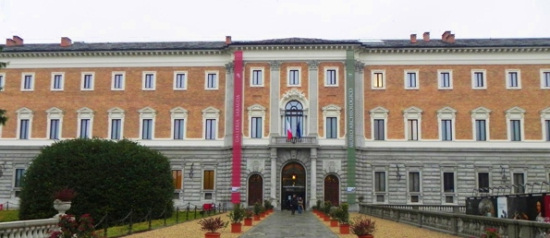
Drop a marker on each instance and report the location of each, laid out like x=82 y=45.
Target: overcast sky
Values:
x=46 y=21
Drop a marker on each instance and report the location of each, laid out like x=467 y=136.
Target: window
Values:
x=519 y=183
x=446 y=130
x=547 y=129
x=24 y=129
x=177 y=179
x=411 y=80
x=55 y=116
x=330 y=77
x=210 y=132
x=57 y=82
x=544 y=79
x=116 y=129
x=414 y=187
x=24 y=123
x=515 y=130
x=85 y=122
x=2 y=82
x=445 y=80
x=332 y=128
x=180 y=80
x=380 y=186
x=412 y=133
x=446 y=117
x=85 y=128
x=379 y=129
x=208 y=180
x=449 y=186
x=19 y=173
x=211 y=80
x=513 y=80
x=179 y=126
x=147 y=129
x=148 y=81
x=294 y=77
x=54 y=129
x=27 y=83
x=117 y=81
x=257 y=78
x=483 y=182
x=87 y=81
x=478 y=79
x=514 y=118
x=256 y=127
x=481 y=130
x=413 y=123
x=378 y=79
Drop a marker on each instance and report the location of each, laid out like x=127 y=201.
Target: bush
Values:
x=212 y=224
x=362 y=226
x=237 y=214
x=108 y=177
x=343 y=213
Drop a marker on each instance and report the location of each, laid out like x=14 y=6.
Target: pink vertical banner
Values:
x=237 y=127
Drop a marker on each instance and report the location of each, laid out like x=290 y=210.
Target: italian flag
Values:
x=288 y=130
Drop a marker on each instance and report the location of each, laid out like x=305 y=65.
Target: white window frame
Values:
x=186 y=79
x=440 y=79
x=256 y=110
x=210 y=113
x=488 y=172
x=92 y=81
x=379 y=113
x=216 y=81
x=410 y=193
x=262 y=73
x=122 y=81
x=85 y=113
x=473 y=75
x=62 y=81
x=33 y=80
x=178 y=113
x=508 y=80
x=412 y=113
x=144 y=114
x=114 y=114
x=512 y=178
x=445 y=194
x=542 y=79
x=2 y=81
x=336 y=83
x=24 y=114
x=481 y=113
x=331 y=110
x=206 y=191
x=515 y=113
x=153 y=80
x=417 y=79
x=380 y=193
x=55 y=113
x=446 y=113
x=374 y=79
x=544 y=116
x=299 y=77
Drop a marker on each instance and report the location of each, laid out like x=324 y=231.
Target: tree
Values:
x=108 y=177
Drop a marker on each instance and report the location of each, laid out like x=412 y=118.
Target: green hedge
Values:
x=109 y=177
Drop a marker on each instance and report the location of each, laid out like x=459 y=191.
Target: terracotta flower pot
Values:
x=365 y=236
x=236 y=227
x=344 y=228
x=333 y=223
x=326 y=218
x=212 y=235
x=256 y=217
x=248 y=221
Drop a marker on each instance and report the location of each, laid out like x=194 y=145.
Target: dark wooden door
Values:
x=255 y=189
x=332 y=190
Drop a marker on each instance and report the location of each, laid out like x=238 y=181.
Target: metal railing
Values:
x=283 y=141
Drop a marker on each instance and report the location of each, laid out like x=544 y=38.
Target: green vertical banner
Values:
x=350 y=120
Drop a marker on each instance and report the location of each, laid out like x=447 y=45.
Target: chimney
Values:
x=413 y=38
x=228 y=40
x=445 y=35
x=66 y=41
x=451 y=38
x=10 y=42
x=426 y=36
x=18 y=40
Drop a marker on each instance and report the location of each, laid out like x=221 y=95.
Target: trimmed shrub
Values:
x=107 y=176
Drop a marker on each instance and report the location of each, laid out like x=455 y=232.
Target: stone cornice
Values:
x=294 y=47
x=109 y=53
x=456 y=50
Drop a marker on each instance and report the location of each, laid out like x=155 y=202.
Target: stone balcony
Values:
x=303 y=142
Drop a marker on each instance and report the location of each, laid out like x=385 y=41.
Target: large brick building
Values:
x=414 y=121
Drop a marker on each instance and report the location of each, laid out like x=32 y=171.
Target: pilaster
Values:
x=313 y=97
x=275 y=92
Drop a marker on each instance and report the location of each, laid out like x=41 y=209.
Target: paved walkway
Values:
x=281 y=224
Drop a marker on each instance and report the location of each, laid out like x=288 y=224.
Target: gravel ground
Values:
x=384 y=228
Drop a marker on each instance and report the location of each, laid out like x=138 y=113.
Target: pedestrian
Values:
x=293 y=204
x=300 y=205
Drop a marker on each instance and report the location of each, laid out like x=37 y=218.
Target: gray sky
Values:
x=46 y=21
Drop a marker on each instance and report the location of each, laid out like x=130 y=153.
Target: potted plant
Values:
x=326 y=210
x=236 y=216
x=69 y=227
x=363 y=227
x=360 y=198
x=248 y=217
x=491 y=232
x=343 y=218
x=62 y=200
x=212 y=225
x=257 y=211
x=268 y=207
x=334 y=216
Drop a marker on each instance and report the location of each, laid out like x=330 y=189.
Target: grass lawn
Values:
x=9 y=215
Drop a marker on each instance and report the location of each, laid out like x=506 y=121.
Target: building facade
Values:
x=413 y=121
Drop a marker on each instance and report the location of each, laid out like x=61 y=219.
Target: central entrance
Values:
x=293 y=181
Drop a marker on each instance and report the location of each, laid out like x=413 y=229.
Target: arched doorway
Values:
x=255 y=189
x=332 y=190
x=293 y=180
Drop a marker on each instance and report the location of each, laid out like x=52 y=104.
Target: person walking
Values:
x=300 y=205
x=293 y=204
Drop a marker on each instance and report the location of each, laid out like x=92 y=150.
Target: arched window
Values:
x=294 y=119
